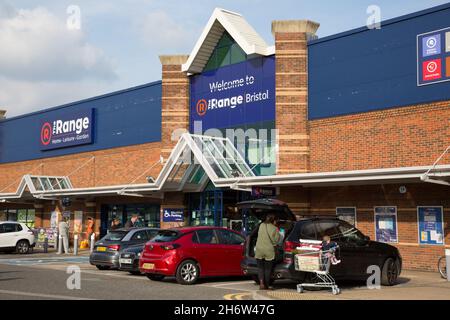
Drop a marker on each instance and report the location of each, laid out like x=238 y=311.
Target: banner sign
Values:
x=386 y=224
x=173 y=215
x=67 y=130
x=431 y=225
x=433 y=57
x=45 y=233
x=347 y=214
x=78 y=222
x=234 y=95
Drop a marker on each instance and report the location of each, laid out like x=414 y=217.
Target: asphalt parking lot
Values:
x=44 y=276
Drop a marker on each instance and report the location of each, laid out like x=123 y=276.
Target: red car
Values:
x=192 y=252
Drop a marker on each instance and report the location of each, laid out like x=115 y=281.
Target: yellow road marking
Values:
x=236 y=296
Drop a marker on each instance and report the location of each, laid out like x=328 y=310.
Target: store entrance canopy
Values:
x=197 y=159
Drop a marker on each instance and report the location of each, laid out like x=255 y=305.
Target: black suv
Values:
x=356 y=251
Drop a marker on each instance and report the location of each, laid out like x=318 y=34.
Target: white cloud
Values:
x=159 y=30
x=44 y=64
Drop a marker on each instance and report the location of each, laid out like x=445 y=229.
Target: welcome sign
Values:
x=69 y=129
x=234 y=95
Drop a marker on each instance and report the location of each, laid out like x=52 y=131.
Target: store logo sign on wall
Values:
x=234 y=95
x=432 y=59
x=67 y=130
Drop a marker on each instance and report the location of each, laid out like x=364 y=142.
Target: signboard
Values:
x=233 y=95
x=386 y=224
x=262 y=192
x=54 y=220
x=433 y=57
x=431 y=225
x=46 y=233
x=347 y=214
x=78 y=222
x=173 y=215
x=69 y=129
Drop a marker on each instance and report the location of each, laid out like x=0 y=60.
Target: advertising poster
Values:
x=78 y=222
x=431 y=225
x=386 y=224
x=347 y=214
x=54 y=220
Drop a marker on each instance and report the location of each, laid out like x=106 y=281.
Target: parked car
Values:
x=193 y=252
x=16 y=236
x=107 y=250
x=129 y=259
x=356 y=251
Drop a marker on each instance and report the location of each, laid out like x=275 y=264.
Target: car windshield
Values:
x=166 y=236
x=115 y=236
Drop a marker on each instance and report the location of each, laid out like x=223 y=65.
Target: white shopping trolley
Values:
x=311 y=258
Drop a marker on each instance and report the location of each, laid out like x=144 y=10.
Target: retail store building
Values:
x=351 y=125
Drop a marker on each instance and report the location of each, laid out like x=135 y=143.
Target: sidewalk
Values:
x=413 y=285
x=39 y=253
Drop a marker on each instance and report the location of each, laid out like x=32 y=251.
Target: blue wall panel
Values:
x=363 y=70
x=123 y=118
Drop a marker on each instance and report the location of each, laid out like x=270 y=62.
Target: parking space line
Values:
x=42 y=295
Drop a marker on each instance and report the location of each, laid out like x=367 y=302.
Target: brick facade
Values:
x=291 y=72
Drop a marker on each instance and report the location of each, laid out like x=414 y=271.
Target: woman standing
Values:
x=268 y=237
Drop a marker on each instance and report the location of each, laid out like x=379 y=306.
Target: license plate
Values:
x=125 y=261
x=148 y=266
x=101 y=249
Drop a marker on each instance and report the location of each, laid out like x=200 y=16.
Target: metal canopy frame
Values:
x=205 y=158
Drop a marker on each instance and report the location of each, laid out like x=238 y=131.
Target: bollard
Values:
x=447 y=260
x=92 y=241
x=46 y=245
x=59 y=244
x=75 y=245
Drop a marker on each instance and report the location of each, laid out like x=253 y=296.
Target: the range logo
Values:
x=67 y=130
x=46 y=134
x=201 y=107
x=431 y=45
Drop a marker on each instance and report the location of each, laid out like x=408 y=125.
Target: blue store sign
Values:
x=70 y=129
x=173 y=215
x=234 y=95
x=431 y=225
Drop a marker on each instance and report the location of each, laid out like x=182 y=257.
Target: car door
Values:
x=10 y=235
x=346 y=252
x=366 y=254
x=233 y=245
x=209 y=252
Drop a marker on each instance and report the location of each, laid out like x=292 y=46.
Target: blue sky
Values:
x=43 y=64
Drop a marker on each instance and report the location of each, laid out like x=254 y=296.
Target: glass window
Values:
x=10 y=227
x=166 y=236
x=308 y=231
x=328 y=228
x=226 y=52
x=140 y=235
x=115 y=236
x=37 y=184
x=151 y=234
x=46 y=184
x=206 y=237
x=231 y=238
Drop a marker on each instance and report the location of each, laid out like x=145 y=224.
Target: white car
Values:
x=16 y=236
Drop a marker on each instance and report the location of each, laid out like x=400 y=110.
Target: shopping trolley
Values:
x=311 y=258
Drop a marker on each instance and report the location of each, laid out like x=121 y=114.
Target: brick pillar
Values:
x=175 y=100
x=291 y=55
x=38 y=215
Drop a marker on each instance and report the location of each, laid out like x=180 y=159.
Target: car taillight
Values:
x=114 y=247
x=289 y=247
x=170 y=246
x=30 y=232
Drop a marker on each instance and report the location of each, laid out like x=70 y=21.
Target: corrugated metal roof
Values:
x=238 y=28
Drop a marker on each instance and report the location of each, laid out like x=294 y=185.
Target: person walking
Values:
x=268 y=237
x=63 y=229
x=132 y=223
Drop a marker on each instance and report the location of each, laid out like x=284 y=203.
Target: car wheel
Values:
x=23 y=247
x=155 y=277
x=188 y=272
x=102 y=267
x=389 y=273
